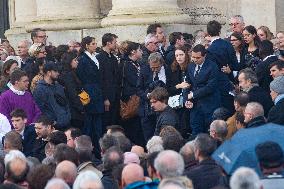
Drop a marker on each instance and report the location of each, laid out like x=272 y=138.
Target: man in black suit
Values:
x=204 y=97
x=153 y=74
x=266 y=52
x=223 y=54
x=110 y=79
x=19 y=121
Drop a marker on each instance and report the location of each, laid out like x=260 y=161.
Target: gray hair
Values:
x=14 y=154
x=83 y=142
x=27 y=42
x=239 y=17
x=156 y=57
x=59 y=183
x=149 y=37
x=249 y=75
x=87 y=176
x=255 y=108
x=245 y=178
x=220 y=127
x=155 y=144
x=173 y=183
x=187 y=152
x=169 y=164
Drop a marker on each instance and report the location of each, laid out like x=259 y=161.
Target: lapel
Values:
x=91 y=61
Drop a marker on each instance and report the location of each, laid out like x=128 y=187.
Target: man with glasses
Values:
x=38 y=35
x=237 y=23
x=151 y=45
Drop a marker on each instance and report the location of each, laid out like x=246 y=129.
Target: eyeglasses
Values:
x=234 y=24
x=42 y=36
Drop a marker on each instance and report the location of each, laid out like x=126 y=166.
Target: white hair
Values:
x=155 y=144
x=14 y=154
x=148 y=38
x=239 y=17
x=58 y=183
x=169 y=164
x=84 y=177
x=245 y=178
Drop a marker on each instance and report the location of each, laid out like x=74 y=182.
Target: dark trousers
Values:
x=199 y=121
x=148 y=124
x=93 y=128
x=133 y=130
x=112 y=116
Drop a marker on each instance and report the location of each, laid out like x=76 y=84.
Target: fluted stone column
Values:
x=128 y=12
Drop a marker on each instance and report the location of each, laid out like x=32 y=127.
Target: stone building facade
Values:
x=67 y=20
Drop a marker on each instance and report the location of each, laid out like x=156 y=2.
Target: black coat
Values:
x=206 y=175
x=177 y=77
x=90 y=76
x=166 y=118
x=29 y=138
x=110 y=75
x=263 y=73
x=39 y=149
x=130 y=73
x=276 y=113
x=258 y=94
x=255 y=122
x=146 y=53
x=108 y=180
x=170 y=55
x=72 y=87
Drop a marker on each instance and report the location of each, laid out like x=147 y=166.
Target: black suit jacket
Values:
x=263 y=73
x=144 y=80
x=29 y=138
x=206 y=95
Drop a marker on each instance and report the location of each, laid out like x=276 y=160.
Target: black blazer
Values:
x=90 y=76
x=29 y=138
x=205 y=86
x=144 y=80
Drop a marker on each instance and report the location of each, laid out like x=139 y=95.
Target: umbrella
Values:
x=240 y=149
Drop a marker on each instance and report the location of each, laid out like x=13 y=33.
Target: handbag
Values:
x=176 y=101
x=129 y=109
x=84 y=97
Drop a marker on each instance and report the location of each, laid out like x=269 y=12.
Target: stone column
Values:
x=22 y=12
x=131 y=12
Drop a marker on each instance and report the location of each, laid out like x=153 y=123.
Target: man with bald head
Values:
x=133 y=177
x=16 y=172
x=218 y=130
x=67 y=171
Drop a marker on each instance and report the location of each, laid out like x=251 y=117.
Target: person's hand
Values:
x=183 y=85
x=226 y=69
x=190 y=95
x=188 y=104
x=107 y=105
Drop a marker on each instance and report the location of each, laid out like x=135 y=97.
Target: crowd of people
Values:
x=130 y=115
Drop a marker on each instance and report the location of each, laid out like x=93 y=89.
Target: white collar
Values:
x=15 y=91
x=214 y=38
x=93 y=57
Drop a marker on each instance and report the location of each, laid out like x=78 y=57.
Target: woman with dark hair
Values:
x=130 y=70
x=252 y=42
x=73 y=87
x=178 y=85
x=88 y=72
x=38 y=69
x=8 y=67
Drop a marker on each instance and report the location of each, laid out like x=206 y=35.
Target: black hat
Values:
x=50 y=67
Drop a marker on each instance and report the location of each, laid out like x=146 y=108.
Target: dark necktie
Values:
x=197 y=71
x=156 y=78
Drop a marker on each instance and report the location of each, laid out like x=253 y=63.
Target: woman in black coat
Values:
x=73 y=87
x=88 y=71
x=130 y=70
x=179 y=85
